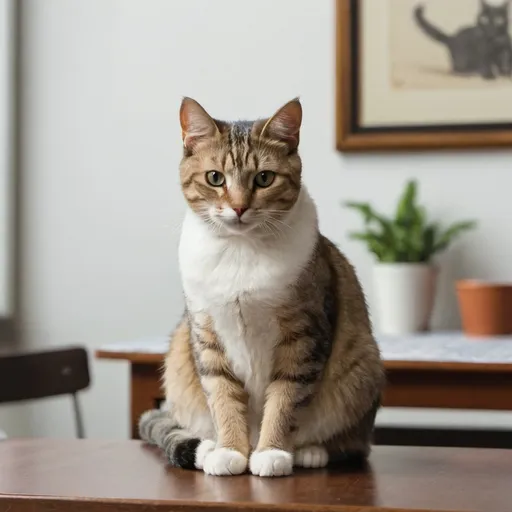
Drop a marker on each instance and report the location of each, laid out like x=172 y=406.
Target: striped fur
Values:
x=157 y=427
x=274 y=363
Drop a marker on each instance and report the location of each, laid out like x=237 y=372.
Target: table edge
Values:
x=389 y=364
x=25 y=502
x=134 y=357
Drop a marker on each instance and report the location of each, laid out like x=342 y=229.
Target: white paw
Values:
x=311 y=457
x=271 y=463
x=204 y=448
x=224 y=461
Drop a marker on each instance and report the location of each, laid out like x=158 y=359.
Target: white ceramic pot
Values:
x=404 y=294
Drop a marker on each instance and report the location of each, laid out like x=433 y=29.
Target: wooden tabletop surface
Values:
x=126 y=476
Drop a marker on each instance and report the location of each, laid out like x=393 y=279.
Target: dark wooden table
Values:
x=126 y=476
x=409 y=384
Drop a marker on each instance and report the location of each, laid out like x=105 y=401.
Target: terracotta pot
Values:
x=485 y=307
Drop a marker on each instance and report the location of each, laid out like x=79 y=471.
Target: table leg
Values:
x=146 y=392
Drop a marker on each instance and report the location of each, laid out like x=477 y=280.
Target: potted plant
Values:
x=404 y=246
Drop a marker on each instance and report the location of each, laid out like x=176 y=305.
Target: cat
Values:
x=484 y=49
x=274 y=363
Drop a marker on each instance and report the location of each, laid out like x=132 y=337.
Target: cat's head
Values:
x=493 y=19
x=243 y=176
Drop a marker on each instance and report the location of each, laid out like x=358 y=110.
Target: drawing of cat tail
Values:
x=428 y=28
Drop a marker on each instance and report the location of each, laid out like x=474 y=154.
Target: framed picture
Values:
x=423 y=74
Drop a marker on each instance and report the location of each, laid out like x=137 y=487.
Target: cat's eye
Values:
x=264 y=179
x=215 y=178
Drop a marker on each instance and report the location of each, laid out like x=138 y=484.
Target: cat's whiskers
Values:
x=266 y=228
x=282 y=223
x=269 y=229
x=279 y=233
x=276 y=225
x=211 y=223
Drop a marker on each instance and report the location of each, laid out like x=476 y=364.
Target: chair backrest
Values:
x=43 y=374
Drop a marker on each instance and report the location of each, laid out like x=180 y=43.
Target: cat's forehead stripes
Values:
x=239 y=145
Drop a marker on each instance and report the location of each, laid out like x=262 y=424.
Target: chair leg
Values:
x=78 y=417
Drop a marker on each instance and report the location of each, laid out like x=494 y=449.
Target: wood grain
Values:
x=126 y=476
x=449 y=390
x=349 y=139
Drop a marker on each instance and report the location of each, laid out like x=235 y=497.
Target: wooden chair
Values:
x=32 y=375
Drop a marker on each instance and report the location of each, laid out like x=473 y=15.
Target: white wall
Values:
x=6 y=205
x=103 y=82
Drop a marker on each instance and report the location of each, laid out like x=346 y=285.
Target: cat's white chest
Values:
x=240 y=295
x=239 y=286
x=218 y=271
x=249 y=332
x=240 y=283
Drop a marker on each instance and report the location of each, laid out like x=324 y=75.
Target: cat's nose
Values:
x=240 y=211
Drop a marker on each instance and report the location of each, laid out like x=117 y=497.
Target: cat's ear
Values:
x=284 y=125
x=196 y=123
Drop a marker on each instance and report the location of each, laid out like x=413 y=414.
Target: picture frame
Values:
x=352 y=135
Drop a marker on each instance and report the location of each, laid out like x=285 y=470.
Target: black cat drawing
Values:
x=484 y=48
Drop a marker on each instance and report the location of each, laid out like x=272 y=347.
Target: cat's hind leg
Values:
x=319 y=456
x=311 y=456
x=349 y=447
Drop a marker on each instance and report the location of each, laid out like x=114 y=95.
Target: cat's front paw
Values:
x=224 y=461
x=205 y=447
x=271 y=463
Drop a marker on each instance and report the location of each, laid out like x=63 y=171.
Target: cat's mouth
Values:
x=236 y=226
x=228 y=221
x=228 y=225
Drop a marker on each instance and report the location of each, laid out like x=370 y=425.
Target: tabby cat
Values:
x=484 y=49
x=274 y=363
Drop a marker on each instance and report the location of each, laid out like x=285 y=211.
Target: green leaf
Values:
x=451 y=233
x=363 y=208
x=409 y=236
x=371 y=216
x=429 y=240
x=373 y=241
x=368 y=213
x=405 y=212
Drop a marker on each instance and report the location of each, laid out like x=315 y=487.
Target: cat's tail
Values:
x=428 y=28
x=157 y=427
